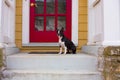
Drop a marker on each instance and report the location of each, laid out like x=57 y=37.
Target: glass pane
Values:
x=62 y=22
x=50 y=24
x=39 y=7
x=50 y=6
x=61 y=6
x=39 y=23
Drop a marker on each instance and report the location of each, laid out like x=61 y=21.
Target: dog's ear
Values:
x=62 y=29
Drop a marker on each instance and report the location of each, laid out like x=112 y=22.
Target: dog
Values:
x=65 y=43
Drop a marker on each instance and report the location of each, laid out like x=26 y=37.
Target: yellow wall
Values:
x=82 y=28
x=82 y=22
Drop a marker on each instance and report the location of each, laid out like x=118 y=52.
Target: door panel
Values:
x=46 y=16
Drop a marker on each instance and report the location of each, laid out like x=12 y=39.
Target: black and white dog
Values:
x=65 y=43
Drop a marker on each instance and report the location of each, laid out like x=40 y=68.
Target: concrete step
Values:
x=93 y=50
x=11 y=50
x=51 y=75
x=25 y=61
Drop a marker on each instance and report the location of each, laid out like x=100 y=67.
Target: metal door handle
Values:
x=33 y=4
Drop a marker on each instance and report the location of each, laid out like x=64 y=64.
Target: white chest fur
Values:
x=61 y=43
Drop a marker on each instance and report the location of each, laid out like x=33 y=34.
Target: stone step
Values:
x=51 y=75
x=93 y=50
x=11 y=50
x=25 y=61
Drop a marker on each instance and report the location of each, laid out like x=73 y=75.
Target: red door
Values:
x=46 y=16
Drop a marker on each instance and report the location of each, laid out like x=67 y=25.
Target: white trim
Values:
x=111 y=43
x=0 y=20
x=7 y=26
x=111 y=22
x=107 y=15
x=75 y=21
x=91 y=22
x=41 y=44
x=11 y=23
x=119 y=19
x=25 y=22
x=25 y=25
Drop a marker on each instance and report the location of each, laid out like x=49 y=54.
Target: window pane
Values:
x=61 y=6
x=50 y=6
x=39 y=7
x=50 y=23
x=39 y=23
x=62 y=22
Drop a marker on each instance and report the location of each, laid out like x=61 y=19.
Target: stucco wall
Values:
x=82 y=30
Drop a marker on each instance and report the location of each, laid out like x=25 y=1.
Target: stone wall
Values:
x=1 y=62
x=109 y=62
x=1 y=58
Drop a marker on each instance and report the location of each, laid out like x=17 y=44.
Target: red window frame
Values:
x=49 y=36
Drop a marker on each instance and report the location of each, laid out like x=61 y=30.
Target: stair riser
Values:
x=27 y=76
x=91 y=50
x=10 y=51
x=53 y=63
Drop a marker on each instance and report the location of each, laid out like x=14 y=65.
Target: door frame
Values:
x=25 y=25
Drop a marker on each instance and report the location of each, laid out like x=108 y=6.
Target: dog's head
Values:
x=60 y=32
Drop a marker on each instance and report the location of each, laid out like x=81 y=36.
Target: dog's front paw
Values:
x=64 y=53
